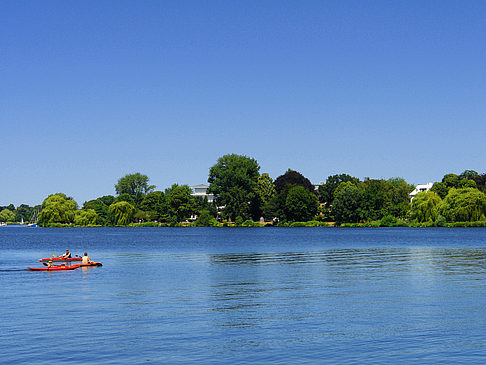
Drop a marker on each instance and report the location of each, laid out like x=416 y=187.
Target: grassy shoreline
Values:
x=250 y=224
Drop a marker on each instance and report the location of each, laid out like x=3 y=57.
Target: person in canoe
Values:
x=49 y=263
x=86 y=259
x=66 y=255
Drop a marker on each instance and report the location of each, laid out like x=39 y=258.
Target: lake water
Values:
x=263 y=295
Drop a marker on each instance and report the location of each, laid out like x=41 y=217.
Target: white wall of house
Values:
x=420 y=189
x=201 y=190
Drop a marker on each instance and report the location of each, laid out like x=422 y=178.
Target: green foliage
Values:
x=440 y=221
x=156 y=203
x=480 y=181
x=57 y=208
x=327 y=190
x=180 y=202
x=375 y=200
x=300 y=204
x=100 y=206
x=205 y=220
x=466 y=183
x=463 y=205
x=125 y=198
x=250 y=223
x=449 y=181
x=85 y=217
x=6 y=215
x=469 y=174
x=265 y=189
x=398 y=196
x=238 y=221
x=388 y=221
x=233 y=180
x=121 y=213
x=24 y=212
x=425 y=206
x=347 y=204
x=136 y=185
x=292 y=178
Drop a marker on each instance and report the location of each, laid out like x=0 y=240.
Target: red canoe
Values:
x=61 y=259
x=92 y=263
x=54 y=268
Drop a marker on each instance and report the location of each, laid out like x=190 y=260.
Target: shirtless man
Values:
x=86 y=259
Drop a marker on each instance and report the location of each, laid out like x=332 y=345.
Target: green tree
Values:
x=265 y=189
x=180 y=202
x=326 y=191
x=24 y=212
x=425 y=206
x=57 y=208
x=85 y=217
x=6 y=215
x=375 y=199
x=300 y=204
x=121 y=213
x=469 y=174
x=136 y=185
x=398 y=195
x=292 y=178
x=100 y=206
x=205 y=220
x=347 y=203
x=448 y=182
x=467 y=183
x=480 y=181
x=155 y=203
x=233 y=180
x=125 y=198
x=463 y=205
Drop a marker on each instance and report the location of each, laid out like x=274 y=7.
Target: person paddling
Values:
x=86 y=259
x=66 y=255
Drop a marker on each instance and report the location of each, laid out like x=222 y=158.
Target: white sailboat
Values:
x=33 y=219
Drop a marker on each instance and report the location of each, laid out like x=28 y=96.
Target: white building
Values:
x=420 y=189
x=201 y=190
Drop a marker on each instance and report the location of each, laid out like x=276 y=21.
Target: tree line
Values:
x=244 y=197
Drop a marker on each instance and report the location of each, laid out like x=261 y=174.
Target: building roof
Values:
x=201 y=186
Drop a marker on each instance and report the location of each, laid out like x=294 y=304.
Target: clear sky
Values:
x=93 y=90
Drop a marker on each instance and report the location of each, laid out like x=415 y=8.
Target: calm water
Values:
x=265 y=295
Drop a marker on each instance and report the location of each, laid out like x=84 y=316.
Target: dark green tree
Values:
x=292 y=178
x=233 y=180
x=480 y=181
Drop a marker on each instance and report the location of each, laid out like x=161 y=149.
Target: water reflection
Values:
x=260 y=289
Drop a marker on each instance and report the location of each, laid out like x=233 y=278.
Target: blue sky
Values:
x=93 y=90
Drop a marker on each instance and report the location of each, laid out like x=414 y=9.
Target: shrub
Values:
x=388 y=221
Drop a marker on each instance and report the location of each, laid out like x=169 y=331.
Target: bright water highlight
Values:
x=264 y=295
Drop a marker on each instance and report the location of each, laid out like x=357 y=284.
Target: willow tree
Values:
x=463 y=205
x=425 y=206
x=121 y=213
x=57 y=208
